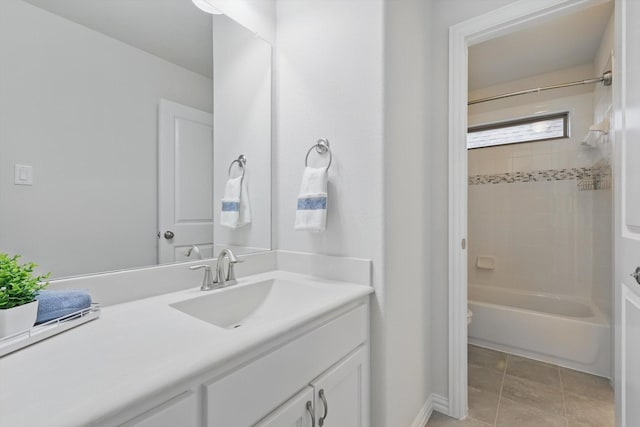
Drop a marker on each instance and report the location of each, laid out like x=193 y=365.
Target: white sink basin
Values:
x=241 y=305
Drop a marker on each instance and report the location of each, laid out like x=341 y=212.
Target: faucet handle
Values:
x=231 y=274
x=208 y=281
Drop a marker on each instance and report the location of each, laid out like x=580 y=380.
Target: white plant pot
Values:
x=18 y=319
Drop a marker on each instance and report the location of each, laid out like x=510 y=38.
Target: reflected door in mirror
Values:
x=185 y=184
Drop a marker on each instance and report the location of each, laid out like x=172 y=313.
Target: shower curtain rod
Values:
x=606 y=79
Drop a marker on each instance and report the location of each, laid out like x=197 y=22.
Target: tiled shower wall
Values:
x=525 y=209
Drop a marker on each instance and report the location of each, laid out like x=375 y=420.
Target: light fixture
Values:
x=206 y=6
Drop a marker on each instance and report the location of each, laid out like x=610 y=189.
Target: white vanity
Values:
x=275 y=349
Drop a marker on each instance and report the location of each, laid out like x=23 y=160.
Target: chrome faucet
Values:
x=230 y=277
x=221 y=279
x=195 y=249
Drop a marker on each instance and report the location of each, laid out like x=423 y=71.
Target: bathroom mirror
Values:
x=119 y=121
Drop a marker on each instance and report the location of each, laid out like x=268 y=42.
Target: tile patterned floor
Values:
x=511 y=391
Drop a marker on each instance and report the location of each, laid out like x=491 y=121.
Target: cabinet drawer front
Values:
x=181 y=411
x=248 y=394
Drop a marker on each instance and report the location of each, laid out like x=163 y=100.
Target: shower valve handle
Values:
x=636 y=275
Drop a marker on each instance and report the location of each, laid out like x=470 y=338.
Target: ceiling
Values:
x=564 y=42
x=174 y=30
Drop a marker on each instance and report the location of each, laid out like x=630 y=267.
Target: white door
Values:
x=341 y=397
x=185 y=182
x=296 y=412
x=627 y=213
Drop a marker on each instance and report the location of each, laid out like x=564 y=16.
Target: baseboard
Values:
x=424 y=414
x=435 y=402
x=440 y=404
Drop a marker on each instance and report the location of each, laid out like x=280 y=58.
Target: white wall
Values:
x=445 y=14
x=342 y=73
x=82 y=109
x=407 y=315
x=330 y=85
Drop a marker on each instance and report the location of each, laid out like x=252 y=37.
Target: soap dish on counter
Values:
x=23 y=339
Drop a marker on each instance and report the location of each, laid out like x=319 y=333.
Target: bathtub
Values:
x=568 y=332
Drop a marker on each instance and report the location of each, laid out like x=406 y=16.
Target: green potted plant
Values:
x=19 y=288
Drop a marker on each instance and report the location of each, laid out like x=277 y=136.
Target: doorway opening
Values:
x=531 y=210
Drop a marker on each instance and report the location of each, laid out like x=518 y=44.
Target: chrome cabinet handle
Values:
x=326 y=408
x=310 y=411
x=636 y=275
x=169 y=235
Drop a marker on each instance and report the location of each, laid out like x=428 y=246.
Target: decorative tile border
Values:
x=597 y=170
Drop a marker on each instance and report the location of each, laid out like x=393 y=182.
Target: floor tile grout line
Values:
x=507 y=361
x=564 y=400
x=504 y=374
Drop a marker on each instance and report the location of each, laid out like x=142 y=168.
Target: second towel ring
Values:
x=241 y=161
x=322 y=147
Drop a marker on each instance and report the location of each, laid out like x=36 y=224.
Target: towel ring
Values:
x=322 y=147
x=241 y=161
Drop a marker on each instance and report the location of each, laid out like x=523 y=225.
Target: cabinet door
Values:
x=180 y=411
x=247 y=395
x=342 y=393
x=296 y=412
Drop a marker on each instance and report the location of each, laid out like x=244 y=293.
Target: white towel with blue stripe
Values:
x=311 y=214
x=236 y=209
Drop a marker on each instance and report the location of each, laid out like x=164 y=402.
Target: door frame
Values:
x=513 y=17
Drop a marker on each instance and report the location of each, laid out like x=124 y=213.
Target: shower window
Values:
x=529 y=129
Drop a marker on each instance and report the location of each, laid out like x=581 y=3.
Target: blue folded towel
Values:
x=55 y=304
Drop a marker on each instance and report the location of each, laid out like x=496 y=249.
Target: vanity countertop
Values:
x=135 y=349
